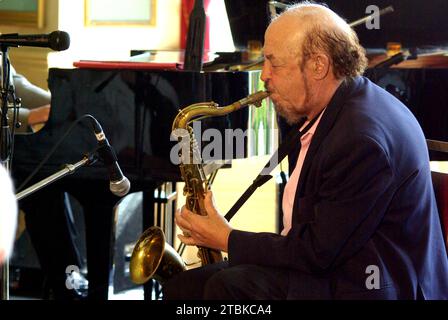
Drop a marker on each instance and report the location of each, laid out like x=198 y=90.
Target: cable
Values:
x=14 y=121
x=58 y=143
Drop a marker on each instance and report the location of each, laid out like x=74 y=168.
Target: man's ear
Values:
x=320 y=66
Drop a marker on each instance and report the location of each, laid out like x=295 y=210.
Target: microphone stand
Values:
x=6 y=91
x=66 y=170
x=5 y=150
x=5 y=138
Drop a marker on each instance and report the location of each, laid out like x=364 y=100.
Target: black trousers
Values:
x=220 y=282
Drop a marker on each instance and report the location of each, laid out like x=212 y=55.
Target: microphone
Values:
x=119 y=184
x=56 y=40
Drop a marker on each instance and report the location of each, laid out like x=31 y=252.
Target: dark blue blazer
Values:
x=365 y=198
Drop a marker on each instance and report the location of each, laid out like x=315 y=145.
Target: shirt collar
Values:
x=313 y=128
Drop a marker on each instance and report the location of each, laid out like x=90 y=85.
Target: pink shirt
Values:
x=291 y=186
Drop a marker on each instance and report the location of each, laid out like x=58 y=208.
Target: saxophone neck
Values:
x=211 y=109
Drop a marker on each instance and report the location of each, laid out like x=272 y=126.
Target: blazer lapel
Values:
x=326 y=123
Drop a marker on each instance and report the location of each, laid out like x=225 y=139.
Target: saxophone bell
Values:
x=152 y=257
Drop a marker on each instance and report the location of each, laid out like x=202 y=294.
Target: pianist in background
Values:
x=8 y=215
x=36 y=107
x=360 y=217
x=46 y=212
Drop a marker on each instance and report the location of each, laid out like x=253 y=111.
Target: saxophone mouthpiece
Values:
x=254 y=98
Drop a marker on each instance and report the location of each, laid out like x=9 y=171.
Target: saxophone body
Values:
x=196 y=185
x=191 y=165
x=152 y=257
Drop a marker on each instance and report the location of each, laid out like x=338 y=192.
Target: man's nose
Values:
x=265 y=73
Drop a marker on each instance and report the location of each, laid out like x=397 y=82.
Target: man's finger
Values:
x=188 y=216
x=187 y=240
x=185 y=231
x=181 y=221
x=209 y=203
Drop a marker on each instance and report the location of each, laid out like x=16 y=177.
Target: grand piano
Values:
x=136 y=108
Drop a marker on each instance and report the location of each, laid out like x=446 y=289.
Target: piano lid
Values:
x=414 y=23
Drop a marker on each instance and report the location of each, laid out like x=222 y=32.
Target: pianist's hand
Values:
x=39 y=115
x=211 y=231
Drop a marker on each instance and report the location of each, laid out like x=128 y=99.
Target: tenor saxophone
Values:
x=191 y=166
x=152 y=257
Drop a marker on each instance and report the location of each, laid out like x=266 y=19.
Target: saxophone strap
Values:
x=264 y=176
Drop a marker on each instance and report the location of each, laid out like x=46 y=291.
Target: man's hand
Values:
x=39 y=115
x=211 y=231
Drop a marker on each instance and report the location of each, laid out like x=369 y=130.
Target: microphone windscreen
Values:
x=59 y=40
x=120 y=188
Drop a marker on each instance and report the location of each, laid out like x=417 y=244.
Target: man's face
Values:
x=287 y=84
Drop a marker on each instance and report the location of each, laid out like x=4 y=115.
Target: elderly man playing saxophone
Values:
x=359 y=212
